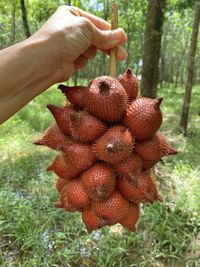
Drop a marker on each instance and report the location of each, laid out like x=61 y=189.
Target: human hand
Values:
x=73 y=36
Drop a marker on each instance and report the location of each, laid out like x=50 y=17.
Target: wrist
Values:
x=42 y=55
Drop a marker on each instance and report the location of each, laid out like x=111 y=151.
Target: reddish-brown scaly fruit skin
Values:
x=147 y=164
x=53 y=138
x=130 y=190
x=60 y=183
x=115 y=145
x=155 y=148
x=130 y=84
x=79 y=155
x=74 y=94
x=129 y=167
x=85 y=127
x=99 y=181
x=145 y=191
x=144 y=117
x=74 y=196
x=111 y=209
x=106 y=99
x=91 y=220
x=131 y=218
x=62 y=168
x=61 y=116
x=154 y=189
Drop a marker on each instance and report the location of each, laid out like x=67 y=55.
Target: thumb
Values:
x=108 y=39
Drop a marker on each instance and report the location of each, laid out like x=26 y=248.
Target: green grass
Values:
x=33 y=233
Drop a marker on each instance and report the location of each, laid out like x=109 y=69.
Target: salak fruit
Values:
x=107 y=139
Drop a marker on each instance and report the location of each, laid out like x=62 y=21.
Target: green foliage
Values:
x=40 y=11
x=132 y=17
x=33 y=233
x=181 y=5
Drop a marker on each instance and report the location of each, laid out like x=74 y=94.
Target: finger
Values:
x=108 y=39
x=98 y=22
x=90 y=52
x=80 y=62
x=121 y=53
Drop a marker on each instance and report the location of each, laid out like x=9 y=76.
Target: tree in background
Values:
x=152 y=46
x=24 y=18
x=190 y=69
x=13 y=32
x=176 y=33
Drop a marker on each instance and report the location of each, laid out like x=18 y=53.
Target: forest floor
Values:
x=34 y=233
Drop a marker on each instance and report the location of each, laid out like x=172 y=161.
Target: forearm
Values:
x=64 y=43
x=26 y=70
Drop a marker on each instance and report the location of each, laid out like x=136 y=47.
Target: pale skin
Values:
x=65 y=43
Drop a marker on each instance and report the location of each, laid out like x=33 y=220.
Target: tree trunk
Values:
x=24 y=18
x=162 y=60
x=179 y=64
x=190 y=69
x=12 y=39
x=75 y=76
x=152 y=46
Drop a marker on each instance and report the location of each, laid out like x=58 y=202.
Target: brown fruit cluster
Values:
x=107 y=140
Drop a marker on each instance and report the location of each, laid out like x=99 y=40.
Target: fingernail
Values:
x=122 y=31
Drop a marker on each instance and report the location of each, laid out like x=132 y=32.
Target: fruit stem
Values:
x=104 y=87
x=157 y=102
x=110 y=147
x=113 y=51
x=129 y=72
x=114 y=147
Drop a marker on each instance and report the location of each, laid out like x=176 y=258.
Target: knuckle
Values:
x=61 y=7
x=85 y=22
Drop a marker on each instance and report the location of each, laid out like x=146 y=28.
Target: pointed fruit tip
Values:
x=90 y=82
x=50 y=168
x=172 y=151
x=162 y=162
x=61 y=86
x=104 y=86
x=38 y=142
x=159 y=100
x=52 y=108
x=55 y=111
x=159 y=198
x=129 y=72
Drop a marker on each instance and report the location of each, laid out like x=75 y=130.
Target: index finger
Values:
x=98 y=22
